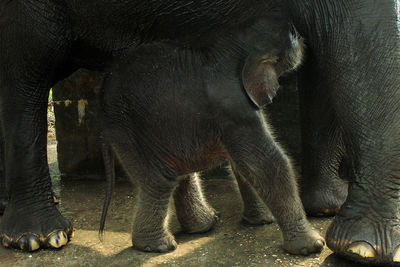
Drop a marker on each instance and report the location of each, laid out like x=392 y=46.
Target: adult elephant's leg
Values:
x=193 y=212
x=31 y=219
x=31 y=48
x=322 y=191
x=367 y=228
x=357 y=51
x=255 y=212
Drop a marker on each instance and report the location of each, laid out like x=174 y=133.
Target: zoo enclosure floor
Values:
x=230 y=243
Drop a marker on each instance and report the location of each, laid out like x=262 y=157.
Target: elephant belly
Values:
x=205 y=157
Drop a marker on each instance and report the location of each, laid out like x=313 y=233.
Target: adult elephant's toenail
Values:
x=30 y=243
x=34 y=244
x=362 y=249
x=58 y=239
x=162 y=248
x=64 y=235
x=396 y=255
x=5 y=241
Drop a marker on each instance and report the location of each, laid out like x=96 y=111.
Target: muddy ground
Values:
x=230 y=243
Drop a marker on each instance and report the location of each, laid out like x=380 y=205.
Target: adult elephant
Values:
x=352 y=53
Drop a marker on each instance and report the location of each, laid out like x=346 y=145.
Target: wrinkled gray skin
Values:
x=322 y=191
x=170 y=111
x=353 y=61
x=352 y=57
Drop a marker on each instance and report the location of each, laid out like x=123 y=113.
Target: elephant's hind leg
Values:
x=150 y=227
x=255 y=212
x=193 y=212
x=322 y=191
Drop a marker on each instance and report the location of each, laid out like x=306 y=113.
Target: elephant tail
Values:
x=108 y=157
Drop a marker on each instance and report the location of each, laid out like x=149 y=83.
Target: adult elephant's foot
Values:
x=324 y=199
x=32 y=227
x=364 y=235
x=153 y=242
x=257 y=215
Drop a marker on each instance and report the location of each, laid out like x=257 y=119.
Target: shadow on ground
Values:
x=230 y=243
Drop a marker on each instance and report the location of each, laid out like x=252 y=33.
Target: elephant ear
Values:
x=260 y=80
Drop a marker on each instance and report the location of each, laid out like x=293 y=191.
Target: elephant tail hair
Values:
x=109 y=166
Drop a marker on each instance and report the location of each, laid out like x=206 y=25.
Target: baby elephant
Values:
x=169 y=111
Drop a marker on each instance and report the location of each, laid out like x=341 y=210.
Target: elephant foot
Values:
x=200 y=220
x=152 y=242
x=258 y=216
x=194 y=214
x=366 y=239
x=325 y=199
x=304 y=242
x=30 y=228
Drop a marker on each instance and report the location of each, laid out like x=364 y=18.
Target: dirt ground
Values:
x=230 y=243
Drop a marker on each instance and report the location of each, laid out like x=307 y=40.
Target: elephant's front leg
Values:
x=367 y=227
x=322 y=191
x=31 y=220
x=29 y=56
x=192 y=210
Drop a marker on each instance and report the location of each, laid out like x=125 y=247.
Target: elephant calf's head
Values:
x=273 y=49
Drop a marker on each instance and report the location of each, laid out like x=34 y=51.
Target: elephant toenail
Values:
x=396 y=255
x=5 y=242
x=28 y=243
x=147 y=249
x=64 y=235
x=58 y=239
x=362 y=249
x=22 y=243
x=34 y=244
x=63 y=238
